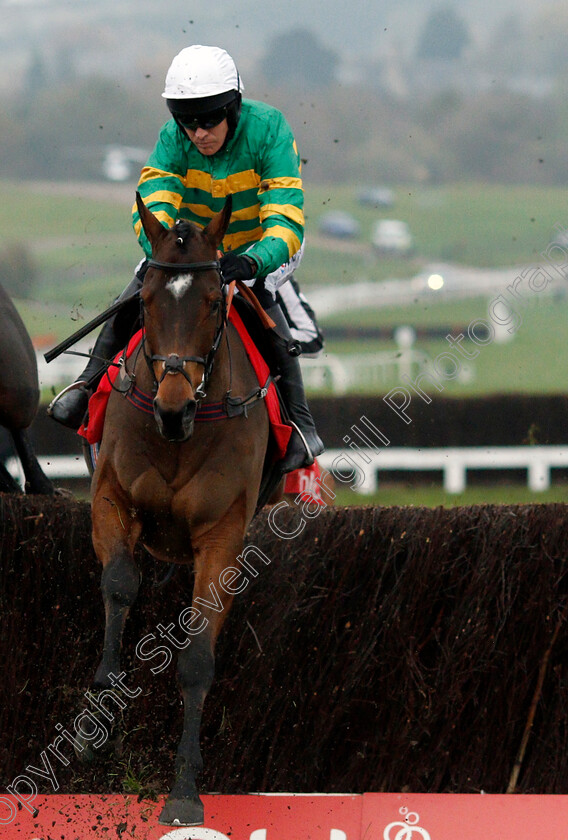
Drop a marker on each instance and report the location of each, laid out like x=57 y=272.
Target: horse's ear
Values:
x=217 y=227
x=152 y=227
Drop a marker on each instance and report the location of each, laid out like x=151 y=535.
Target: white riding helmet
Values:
x=199 y=72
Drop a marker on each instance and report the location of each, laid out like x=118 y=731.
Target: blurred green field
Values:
x=81 y=238
x=533 y=360
x=483 y=225
x=433 y=495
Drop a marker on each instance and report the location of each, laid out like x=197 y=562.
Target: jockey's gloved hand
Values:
x=237 y=267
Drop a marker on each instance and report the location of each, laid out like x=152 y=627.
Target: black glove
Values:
x=235 y=267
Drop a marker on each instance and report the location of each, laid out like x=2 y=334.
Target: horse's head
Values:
x=184 y=315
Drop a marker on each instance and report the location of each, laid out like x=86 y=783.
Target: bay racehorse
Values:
x=19 y=397
x=186 y=490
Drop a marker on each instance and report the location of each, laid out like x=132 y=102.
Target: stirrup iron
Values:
x=303 y=439
x=80 y=383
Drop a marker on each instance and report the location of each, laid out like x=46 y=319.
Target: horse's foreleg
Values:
x=115 y=533
x=8 y=484
x=36 y=479
x=195 y=674
x=119 y=586
x=196 y=665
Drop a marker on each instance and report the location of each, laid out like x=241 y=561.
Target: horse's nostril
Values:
x=175 y=424
x=189 y=412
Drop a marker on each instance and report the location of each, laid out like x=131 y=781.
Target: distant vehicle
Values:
x=391 y=236
x=339 y=224
x=123 y=162
x=376 y=197
x=560 y=239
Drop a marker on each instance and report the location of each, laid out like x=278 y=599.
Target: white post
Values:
x=405 y=338
x=454 y=476
x=539 y=476
x=370 y=484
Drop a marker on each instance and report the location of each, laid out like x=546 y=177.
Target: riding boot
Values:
x=305 y=443
x=70 y=405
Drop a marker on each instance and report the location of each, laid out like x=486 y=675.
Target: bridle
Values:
x=195 y=266
x=173 y=363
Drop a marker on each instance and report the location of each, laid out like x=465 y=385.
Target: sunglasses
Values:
x=205 y=121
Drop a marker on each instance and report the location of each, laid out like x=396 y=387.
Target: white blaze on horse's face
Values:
x=179 y=285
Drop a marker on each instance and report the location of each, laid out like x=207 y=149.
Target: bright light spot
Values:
x=435 y=281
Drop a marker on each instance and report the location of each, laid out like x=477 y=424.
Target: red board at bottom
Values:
x=253 y=817
x=371 y=816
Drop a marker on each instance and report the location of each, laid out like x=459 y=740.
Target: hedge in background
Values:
x=380 y=649
x=510 y=420
x=497 y=420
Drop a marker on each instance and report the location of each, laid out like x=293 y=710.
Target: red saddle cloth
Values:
x=305 y=485
x=93 y=432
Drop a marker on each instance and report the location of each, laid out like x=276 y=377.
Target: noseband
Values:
x=176 y=364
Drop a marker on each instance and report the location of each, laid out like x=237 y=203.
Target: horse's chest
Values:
x=167 y=515
x=167 y=537
x=150 y=490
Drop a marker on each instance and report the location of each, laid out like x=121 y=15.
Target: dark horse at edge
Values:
x=19 y=398
x=186 y=490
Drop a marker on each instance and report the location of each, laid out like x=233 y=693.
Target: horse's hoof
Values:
x=84 y=751
x=63 y=493
x=87 y=753
x=184 y=811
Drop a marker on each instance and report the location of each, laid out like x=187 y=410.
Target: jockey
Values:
x=215 y=144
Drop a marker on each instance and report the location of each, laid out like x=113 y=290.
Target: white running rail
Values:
x=452 y=461
x=361 y=471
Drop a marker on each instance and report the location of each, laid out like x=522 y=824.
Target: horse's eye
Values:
x=216 y=305
x=179 y=240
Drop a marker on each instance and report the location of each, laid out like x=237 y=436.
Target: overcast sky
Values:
x=244 y=27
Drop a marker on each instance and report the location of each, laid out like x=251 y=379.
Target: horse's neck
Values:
x=242 y=376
